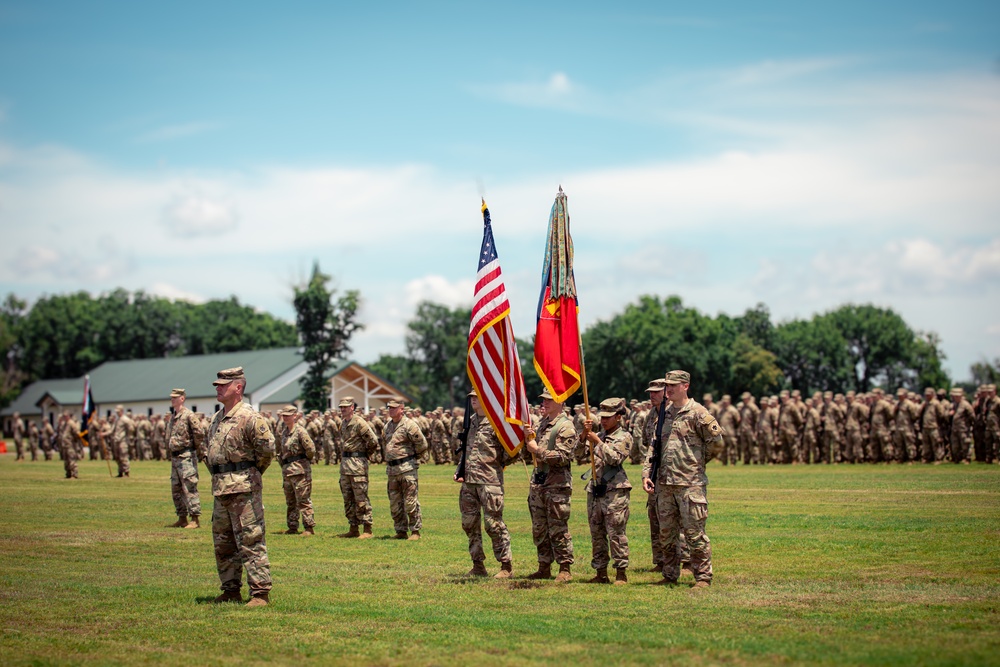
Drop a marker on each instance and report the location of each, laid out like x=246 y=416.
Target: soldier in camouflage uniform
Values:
x=34 y=438
x=729 y=419
x=331 y=438
x=932 y=446
x=121 y=435
x=18 y=434
x=295 y=451
x=480 y=500
x=789 y=424
x=991 y=429
x=358 y=444
x=767 y=423
x=551 y=489
x=608 y=492
x=904 y=415
x=962 y=417
x=747 y=435
x=186 y=444
x=856 y=428
x=655 y=390
x=240 y=448
x=403 y=444
x=880 y=445
x=48 y=440
x=691 y=438
x=143 y=431
x=70 y=444
x=438 y=439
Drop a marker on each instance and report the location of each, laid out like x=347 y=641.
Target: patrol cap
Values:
x=929 y=391
x=656 y=385
x=228 y=375
x=177 y=393
x=611 y=407
x=117 y=407
x=473 y=394
x=957 y=391
x=707 y=397
x=677 y=377
x=745 y=395
x=346 y=402
x=827 y=394
x=877 y=391
x=783 y=393
x=796 y=393
x=727 y=397
x=288 y=410
x=545 y=393
x=395 y=402
x=901 y=392
x=991 y=387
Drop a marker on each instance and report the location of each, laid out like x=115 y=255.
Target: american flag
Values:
x=493 y=364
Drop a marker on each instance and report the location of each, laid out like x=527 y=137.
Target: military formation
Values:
x=669 y=434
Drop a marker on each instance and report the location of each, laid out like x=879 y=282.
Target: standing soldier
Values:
x=880 y=441
x=857 y=424
x=551 y=489
x=979 y=424
x=608 y=492
x=122 y=435
x=18 y=433
x=992 y=429
x=812 y=433
x=766 y=425
x=331 y=435
x=358 y=444
x=48 y=440
x=70 y=444
x=314 y=429
x=789 y=423
x=186 y=444
x=296 y=450
x=747 y=436
x=932 y=446
x=240 y=448
x=729 y=419
x=480 y=499
x=834 y=417
x=962 y=417
x=403 y=444
x=438 y=439
x=690 y=438
x=34 y=437
x=709 y=404
x=655 y=390
x=906 y=436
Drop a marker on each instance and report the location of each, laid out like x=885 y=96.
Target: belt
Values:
x=399 y=462
x=193 y=450
x=293 y=459
x=357 y=455
x=231 y=467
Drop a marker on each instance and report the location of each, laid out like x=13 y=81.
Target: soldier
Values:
x=240 y=448
x=121 y=434
x=693 y=439
x=655 y=390
x=186 y=444
x=18 y=433
x=709 y=403
x=991 y=440
x=932 y=446
x=359 y=444
x=314 y=429
x=481 y=497
x=729 y=419
x=747 y=436
x=403 y=444
x=438 y=439
x=766 y=425
x=962 y=417
x=70 y=444
x=34 y=438
x=608 y=492
x=295 y=451
x=330 y=437
x=979 y=423
x=48 y=440
x=551 y=489
x=856 y=429
x=142 y=432
x=811 y=432
x=789 y=423
x=880 y=442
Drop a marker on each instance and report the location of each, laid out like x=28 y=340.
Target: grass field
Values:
x=820 y=565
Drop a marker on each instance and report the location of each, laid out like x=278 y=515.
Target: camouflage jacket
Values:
x=961 y=422
x=403 y=439
x=789 y=419
x=729 y=420
x=930 y=415
x=241 y=435
x=357 y=435
x=556 y=450
x=485 y=455
x=694 y=439
x=857 y=417
x=904 y=417
x=184 y=431
x=748 y=418
x=123 y=431
x=993 y=415
x=649 y=427
x=288 y=445
x=439 y=434
x=881 y=415
x=610 y=455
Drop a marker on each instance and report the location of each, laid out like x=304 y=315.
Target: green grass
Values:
x=888 y=565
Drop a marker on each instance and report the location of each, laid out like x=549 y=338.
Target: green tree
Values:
x=754 y=369
x=984 y=372
x=879 y=343
x=437 y=339
x=402 y=371
x=812 y=355
x=325 y=326
x=11 y=316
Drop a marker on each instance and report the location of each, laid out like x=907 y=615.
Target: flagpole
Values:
x=586 y=407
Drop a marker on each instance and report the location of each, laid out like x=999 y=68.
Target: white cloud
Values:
x=196 y=215
x=173 y=293
x=440 y=290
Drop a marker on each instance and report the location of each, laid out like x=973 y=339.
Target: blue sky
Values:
x=784 y=153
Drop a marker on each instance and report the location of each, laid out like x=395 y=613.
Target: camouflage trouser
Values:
x=635 y=454
x=549 y=508
x=298 y=499
x=145 y=448
x=69 y=457
x=439 y=452
x=729 y=450
x=959 y=447
x=184 y=484
x=789 y=447
x=855 y=452
x=33 y=442
x=684 y=507
x=327 y=452
x=906 y=445
x=121 y=456
x=403 y=501
x=357 y=506
x=764 y=448
x=485 y=500
x=747 y=446
x=238 y=534
x=608 y=517
x=654 y=530
x=19 y=448
x=932 y=447
x=880 y=446
x=810 y=452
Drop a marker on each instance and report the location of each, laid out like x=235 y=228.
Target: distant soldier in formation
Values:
x=18 y=433
x=186 y=444
x=48 y=440
x=34 y=439
x=729 y=419
x=121 y=434
x=438 y=439
x=296 y=450
x=70 y=444
x=767 y=424
x=905 y=415
x=403 y=444
x=608 y=492
x=481 y=498
x=962 y=417
x=932 y=446
x=789 y=424
x=358 y=444
x=747 y=435
x=551 y=489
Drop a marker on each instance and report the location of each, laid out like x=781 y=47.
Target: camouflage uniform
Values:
x=766 y=425
x=48 y=440
x=331 y=439
x=729 y=420
x=789 y=424
x=121 y=435
x=70 y=446
x=608 y=508
x=18 y=434
x=905 y=434
x=481 y=499
x=34 y=437
x=747 y=434
x=880 y=445
x=240 y=448
x=403 y=444
x=159 y=439
x=295 y=450
x=834 y=419
x=932 y=446
x=439 y=440
x=811 y=435
x=961 y=427
x=186 y=444
x=856 y=427
x=143 y=430
x=991 y=441
x=551 y=489
x=359 y=443
x=680 y=488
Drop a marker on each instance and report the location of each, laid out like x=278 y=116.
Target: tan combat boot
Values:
x=309 y=531
x=414 y=536
x=600 y=578
x=229 y=595
x=195 y=522
x=564 y=575
x=182 y=522
x=478 y=569
x=353 y=532
x=544 y=572
x=701 y=584
x=258 y=600
x=620 y=577
x=400 y=535
x=506 y=570
x=367 y=533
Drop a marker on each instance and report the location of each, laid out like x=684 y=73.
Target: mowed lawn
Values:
x=813 y=564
